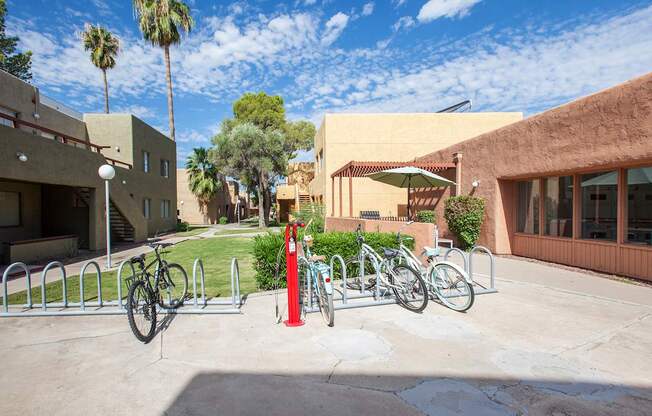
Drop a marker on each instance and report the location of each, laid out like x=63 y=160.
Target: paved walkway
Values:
x=551 y=342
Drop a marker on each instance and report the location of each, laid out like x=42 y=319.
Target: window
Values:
x=321 y=160
x=599 y=205
x=4 y=121
x=146 y=207
x=165 y=208
x=10 y=209
x=558 y=208
x=145 y=161
x=639 y=206
x=528 y=207
x=165 y=168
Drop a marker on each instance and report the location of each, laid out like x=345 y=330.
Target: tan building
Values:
x=51 y=197
x=572 y=185
x=225 y=203
x=342 y=138
x=295 y=191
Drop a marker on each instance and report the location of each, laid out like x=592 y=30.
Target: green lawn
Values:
x=192 y=231
x=216 y=254
x=240 y=231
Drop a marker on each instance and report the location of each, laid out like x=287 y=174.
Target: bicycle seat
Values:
x=431 y=251
x=390 y=253
x=315 y=257
x=161 y=245
x=138 y=259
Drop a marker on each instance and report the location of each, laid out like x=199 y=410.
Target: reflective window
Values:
x=639 y=206
x=146 y=207
x=558 y=208
x=528 y=207
x=599 y=205
x=4 y=121
x=145 y=161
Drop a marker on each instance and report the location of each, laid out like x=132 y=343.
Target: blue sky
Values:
x=341 y=56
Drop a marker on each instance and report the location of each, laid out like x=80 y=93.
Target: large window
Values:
x=9 y=209
x=528 y=207
x=639 y=206
x=146 y=207
x=145 y=161
x=599 y=205
x=165 y=208
x=4 y=121
x=558 y=206
x=165 y=168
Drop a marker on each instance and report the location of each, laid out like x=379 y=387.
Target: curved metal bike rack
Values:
x=119 y=278
x=462 y=253
x=198 y=265
x=82 y=303
x=5 y=276
x=492 y=270
x=44 y=273
x=343 y=272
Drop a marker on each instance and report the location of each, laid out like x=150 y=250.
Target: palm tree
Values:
x=104 y=47
x=160 y=21
x=203 y=178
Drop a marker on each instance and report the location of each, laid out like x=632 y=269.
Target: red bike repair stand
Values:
x=294 y=311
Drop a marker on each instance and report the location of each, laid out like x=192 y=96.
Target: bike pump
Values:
x=294 y=311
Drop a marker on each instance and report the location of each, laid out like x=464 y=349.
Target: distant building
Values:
x=51 y=197
x=343 y=138
x=226 y=203
x=295 y=191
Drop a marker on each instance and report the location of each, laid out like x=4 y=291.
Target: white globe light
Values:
x=106 y=172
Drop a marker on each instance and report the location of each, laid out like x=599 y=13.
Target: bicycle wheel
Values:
x=353 y=280
x=141 y=311
x=409 y=287
x=173 y=284
x=325 y=302
x=450 y=285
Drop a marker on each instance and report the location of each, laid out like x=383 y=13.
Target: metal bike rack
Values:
x=462 y=253
x=112 y=307
x=492 y=271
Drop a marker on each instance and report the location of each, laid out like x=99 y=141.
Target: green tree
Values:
x=160 y=22
x=17 y=64
x=203 y=177
x=276 y=141
x=104 y=48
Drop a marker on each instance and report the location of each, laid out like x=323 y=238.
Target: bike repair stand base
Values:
x=292 y=324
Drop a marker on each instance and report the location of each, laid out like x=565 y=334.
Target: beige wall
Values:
x=191 y=212
x=388 y=137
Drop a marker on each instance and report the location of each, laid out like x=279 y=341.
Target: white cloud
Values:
x=434 y=9
x=368 y=8
x=139 y=111
x=404 y=22
x=334 y=28
x=398 y=3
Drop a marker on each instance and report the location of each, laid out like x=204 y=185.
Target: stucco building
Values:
x=342 y=138
x=51 y=197
x=226 y=203
x=295 y=191
x=572 y=185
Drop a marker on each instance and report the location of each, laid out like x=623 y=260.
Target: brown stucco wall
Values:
x=191 y=212
x=612 y=128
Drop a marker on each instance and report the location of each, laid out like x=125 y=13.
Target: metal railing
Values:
x=112 y=307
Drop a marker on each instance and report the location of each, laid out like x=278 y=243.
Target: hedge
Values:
x=223 y=220
x=266 y=248
x=428 y=216
x=464 y=215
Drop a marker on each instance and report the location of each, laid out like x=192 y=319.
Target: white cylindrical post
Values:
x=108 y=225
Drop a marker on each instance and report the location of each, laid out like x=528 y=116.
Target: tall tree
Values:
x=160 y=22
x=104 y=47
x=17 y=64
x=203 y=177
x=270 y=141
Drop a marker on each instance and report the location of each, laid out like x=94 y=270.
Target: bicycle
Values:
x=146 y=292
x=318 y=278
x=407 y=284
x=360 y=269
x=447 y=281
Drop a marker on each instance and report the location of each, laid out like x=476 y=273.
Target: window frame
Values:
x=147 y=208
x=626 y=209
x=165 y=168
x=165 y=208
x=536 y=217
x=543 y=206
x=146 y=160
x=20 y=210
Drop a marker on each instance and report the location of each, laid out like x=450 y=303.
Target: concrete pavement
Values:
x=538 y=347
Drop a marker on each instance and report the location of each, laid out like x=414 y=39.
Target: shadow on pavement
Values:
x=376 y=394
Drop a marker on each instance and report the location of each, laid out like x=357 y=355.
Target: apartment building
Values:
x=51 y=197
x=227 y=202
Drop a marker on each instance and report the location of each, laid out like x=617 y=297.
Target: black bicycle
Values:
x=166 y=287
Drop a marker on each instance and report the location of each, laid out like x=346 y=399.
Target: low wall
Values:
x=423 y=233
x=31 y=251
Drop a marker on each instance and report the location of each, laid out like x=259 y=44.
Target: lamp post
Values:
x=107 y=172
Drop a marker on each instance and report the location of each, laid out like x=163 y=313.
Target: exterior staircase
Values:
x=121 y=229
x=304 y=199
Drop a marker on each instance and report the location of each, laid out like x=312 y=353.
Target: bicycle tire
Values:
x=416 y=285
x=176 y=282
x=325 y=302
x=463 y=289
x=353 y=282
x=139 y=294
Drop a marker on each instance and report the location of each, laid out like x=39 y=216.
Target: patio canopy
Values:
x=355 y=169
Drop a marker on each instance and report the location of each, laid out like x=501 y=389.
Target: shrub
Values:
x=223 y=220
x=182 y=226
x=266 y=248
x=426 y=216
x=314 y=212
x=464 y=215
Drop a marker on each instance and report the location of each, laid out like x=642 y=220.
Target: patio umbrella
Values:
x=410 y=177
x=634 y=177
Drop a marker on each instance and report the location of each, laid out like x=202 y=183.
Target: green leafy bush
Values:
x=314 y=213
x=464 y=215
x=182 y=226
x=224 y=220
x=266 y=248
x=426 y=216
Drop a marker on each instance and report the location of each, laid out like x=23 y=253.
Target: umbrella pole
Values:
x=408 y=204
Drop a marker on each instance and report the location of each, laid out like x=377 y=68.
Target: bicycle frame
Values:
x=315 y=269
